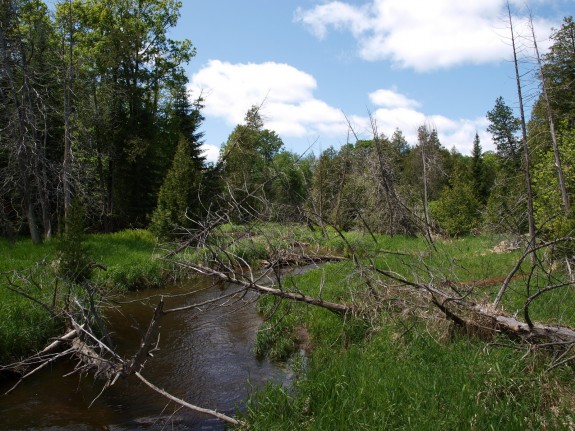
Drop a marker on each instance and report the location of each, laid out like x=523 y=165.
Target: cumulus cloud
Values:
x=391 y=98
x=291 y=109
x=285 y=93
x=210 y=152
x=421 y=34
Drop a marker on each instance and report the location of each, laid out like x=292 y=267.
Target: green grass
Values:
x=411 y=382
x=25 y=326
x=129 y=257
x=383 y=369
x=410 y=372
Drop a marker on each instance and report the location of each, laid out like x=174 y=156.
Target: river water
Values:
x=205 y=358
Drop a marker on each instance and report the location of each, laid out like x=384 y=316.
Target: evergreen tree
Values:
x=457 y=211
x=178 y=199
x=247 y=162
x=504 y=126
x=559 y=70
x=478 y=172
x=74 y=263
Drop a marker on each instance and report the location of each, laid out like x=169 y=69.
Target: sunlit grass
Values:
x=412 y=382
x=399 y=372
x=128 y=257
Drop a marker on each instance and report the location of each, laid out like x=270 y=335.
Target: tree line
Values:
x=96 y=111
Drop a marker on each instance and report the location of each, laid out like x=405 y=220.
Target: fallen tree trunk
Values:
x=458 y=309
x=181 y=402
x=250 y=284
x=295 y=259
x=107 y=365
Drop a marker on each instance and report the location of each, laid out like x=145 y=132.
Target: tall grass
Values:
x=398 y=371
x=129 y=259
x=408 y=381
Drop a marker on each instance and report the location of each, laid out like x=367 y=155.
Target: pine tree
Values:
x=504 y=126
x=478 y=171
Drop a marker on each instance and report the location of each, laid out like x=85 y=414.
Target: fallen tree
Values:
x=96 y=357
x=251 y=284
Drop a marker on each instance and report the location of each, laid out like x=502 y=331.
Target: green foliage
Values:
x=289 y=188
x=74 y=263
x=26 y=326
x=547 y=203
x=276 y=338
x=178 y=199
x=559 y=69
x=112 y=65
x=413 y=382
x=481 y=181
x=399 y=372
x=504 y=125
x=505 y=212
x=457 y=211
x=359 y=186
x=129 y=260
x=247 y=159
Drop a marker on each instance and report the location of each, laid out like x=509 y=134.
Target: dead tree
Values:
x=526 y=157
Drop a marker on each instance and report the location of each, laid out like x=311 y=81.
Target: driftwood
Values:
x=181 y=402
x=97 y=358
x=457 y=308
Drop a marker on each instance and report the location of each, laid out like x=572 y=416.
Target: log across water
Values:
x=205 y=358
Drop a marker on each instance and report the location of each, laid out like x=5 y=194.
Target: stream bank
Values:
x=205 y=357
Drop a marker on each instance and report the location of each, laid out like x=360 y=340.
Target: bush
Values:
x=74 y=261
x=457 y=210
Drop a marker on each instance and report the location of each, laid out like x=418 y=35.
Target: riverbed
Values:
x=205 y=357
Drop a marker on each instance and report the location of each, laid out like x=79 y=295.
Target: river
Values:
x=205 y=358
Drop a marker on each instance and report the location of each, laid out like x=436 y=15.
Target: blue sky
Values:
x=312 y=63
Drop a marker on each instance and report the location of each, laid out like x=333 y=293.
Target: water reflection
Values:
x=205 y=358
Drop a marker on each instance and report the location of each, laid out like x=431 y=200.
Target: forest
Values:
x=96 y=111
x=99 y=135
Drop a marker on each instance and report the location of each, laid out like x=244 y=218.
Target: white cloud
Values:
x=289 y=106
x=458 y=133
x=291 y=109
x=422 y=34
x=391 y=98
x=210 y=152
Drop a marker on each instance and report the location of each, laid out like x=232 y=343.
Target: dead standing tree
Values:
x=526 y=156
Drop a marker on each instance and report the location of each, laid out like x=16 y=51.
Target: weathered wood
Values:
x=537 y=333
x=181 y=402
x=250 y=284
x=295 y=259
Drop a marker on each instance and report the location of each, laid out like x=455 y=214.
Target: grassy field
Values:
x=404 y=367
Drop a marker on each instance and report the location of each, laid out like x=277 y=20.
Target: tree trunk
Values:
x=68 y=91
x=526 y=157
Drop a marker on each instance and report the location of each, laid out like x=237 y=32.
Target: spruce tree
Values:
x=178 y=197
x=478 y=171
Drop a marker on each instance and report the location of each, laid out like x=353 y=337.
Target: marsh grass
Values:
x=405 y=372
x=411 y=382
x=130 y=260
x=129 y=257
